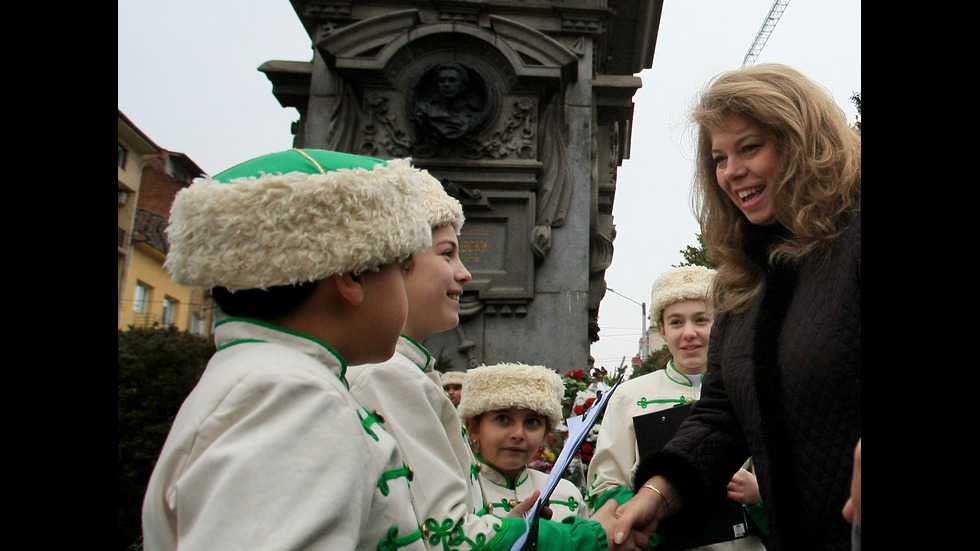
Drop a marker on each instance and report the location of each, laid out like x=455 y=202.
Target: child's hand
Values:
x=523 y=507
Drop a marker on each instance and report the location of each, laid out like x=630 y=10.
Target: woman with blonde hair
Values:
x=778 y=195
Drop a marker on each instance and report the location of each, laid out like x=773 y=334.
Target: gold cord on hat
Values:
x=316 y=164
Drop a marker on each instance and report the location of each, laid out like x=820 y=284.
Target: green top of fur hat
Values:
x=308 y=161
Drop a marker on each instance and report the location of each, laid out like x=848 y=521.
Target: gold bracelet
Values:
x=662 y=496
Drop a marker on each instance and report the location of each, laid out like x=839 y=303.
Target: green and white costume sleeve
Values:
x=445 y=489
x=270 y=451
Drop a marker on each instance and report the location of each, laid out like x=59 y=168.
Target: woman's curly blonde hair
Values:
x=818 y=172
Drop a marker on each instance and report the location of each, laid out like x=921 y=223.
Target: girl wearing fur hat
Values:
x=407 y=391
x=681 y=308
x=508 y=409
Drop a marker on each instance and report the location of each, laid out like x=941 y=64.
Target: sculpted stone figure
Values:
x=446 y=104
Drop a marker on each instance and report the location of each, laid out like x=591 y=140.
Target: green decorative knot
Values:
x=405 y=471
x=370 y=418
x=450 y=535
x=590 y=501
x=505 y=504
x=474 y=472
x=643 y=402
x=589 y=498
x=570 y=503
x=392 y=541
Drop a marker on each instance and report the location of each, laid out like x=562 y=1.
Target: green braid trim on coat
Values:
x=509 y=531
x=571 y=503
x=405 y=471
x=590 y=499
x=370 y=418
x=474 y=472
x=643 y=402
x=450 y=536
x=503 y=504
x=392 y=541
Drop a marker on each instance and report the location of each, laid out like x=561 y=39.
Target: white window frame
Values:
x=141 y=297
x=169 y=310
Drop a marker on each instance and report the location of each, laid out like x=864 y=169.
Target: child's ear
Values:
x=350 y=287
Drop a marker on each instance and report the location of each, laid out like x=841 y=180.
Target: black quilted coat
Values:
x=783 y=385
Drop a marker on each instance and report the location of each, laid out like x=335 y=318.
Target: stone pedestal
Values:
x=523 y=111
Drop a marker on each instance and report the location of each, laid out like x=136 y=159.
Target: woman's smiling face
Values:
x=745 y=162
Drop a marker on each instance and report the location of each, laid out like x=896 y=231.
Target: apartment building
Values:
x=149 y=179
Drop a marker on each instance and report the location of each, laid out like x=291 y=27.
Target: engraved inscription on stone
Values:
x=481 y=245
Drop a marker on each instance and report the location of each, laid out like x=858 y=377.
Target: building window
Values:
x=169 y=308
x=121 y=156
x=141 y=298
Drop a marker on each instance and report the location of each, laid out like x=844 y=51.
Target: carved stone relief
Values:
x=449 y=101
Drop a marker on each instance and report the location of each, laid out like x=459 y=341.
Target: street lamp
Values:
x=645 y=339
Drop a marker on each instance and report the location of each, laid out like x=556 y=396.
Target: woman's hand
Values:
x=637 y=519
x=744 y=488
x=852 y=509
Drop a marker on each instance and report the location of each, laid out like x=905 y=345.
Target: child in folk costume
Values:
x=408 y=393
x=452 y=383
x=304 y=249
x=682 y=311
x=508 y=410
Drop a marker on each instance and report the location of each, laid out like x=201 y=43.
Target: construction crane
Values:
x=778 y=7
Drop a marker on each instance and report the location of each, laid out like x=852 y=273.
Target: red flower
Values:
x=579 y=410
x=589 y=402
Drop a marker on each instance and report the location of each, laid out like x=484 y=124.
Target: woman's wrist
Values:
x=661 y=489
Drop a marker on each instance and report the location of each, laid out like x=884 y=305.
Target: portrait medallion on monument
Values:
x=449 y=101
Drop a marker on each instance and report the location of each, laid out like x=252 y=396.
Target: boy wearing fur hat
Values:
x=305 y=251
x=452 y=383
x=408 y=392
x=681 y=308
x=508 y=410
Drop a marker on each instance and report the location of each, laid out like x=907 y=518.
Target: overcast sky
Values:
x=188 y=78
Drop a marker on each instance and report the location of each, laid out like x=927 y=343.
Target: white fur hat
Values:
x=677 y=284
x=442 y=208
x=502 y=386
x=297 y=216
x=452 y=378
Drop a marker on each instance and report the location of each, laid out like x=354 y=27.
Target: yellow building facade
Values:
x=149 y=178
x=133 y=144
x=151 y=296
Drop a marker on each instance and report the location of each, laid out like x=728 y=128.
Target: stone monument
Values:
x=523 y=111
